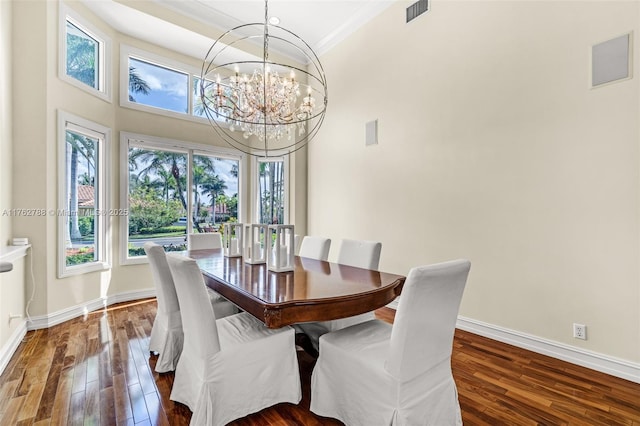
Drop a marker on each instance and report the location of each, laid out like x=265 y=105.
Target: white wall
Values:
x=12 y=283
x=493 y=147
x=6 y=150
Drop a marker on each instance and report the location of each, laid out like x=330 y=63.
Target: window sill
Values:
x=84 y=269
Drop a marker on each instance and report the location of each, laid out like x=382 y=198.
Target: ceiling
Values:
x=320 y=23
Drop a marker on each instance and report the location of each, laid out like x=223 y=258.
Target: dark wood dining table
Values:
x=314 y=291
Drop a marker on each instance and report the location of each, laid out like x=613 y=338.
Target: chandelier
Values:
x=263 y=103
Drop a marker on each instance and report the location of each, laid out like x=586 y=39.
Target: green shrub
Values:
x=148 y=211
x=85 y=223
x=139 y=251
x=80 y=258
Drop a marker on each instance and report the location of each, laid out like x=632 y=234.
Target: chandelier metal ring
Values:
x=256 y=104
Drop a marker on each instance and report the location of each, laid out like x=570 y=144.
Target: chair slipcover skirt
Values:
x=230 y=384
x=166 y=339
x=377 y=374
x=356 y=356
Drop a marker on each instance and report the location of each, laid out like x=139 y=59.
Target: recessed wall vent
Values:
x=417 y=9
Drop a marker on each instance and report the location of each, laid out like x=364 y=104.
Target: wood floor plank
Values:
x=7 y=392
x=122 y=403
x=157 y=416
x=138 y=404
x=46 y=406
x=107 y=407
x=12 y=412
x=62 y=399
x=32 y=402
x=92 y=403
x=97 y=370
x=76 y=409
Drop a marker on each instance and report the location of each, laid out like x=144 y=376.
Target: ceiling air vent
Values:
x=417 y=9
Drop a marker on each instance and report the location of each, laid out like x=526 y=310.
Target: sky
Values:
x=169 y=89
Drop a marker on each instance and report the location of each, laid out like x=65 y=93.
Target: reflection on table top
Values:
x=314 y=291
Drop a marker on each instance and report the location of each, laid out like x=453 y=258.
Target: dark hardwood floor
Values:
x=97 y=370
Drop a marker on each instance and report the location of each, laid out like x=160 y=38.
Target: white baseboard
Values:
x=46 y=321
x=11 y=345
x=604 y=363
x=131 y=295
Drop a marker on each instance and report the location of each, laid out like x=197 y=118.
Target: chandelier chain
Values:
x=266 y=31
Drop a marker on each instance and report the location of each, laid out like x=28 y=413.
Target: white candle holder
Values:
x=232 y=239
x=256 y=243
x=281 y=248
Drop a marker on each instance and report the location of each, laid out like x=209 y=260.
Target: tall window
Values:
x=215 y=192
x=271 y=194
x=84 y=52
x=157 y=198
x=161 y=207
x=82 y=209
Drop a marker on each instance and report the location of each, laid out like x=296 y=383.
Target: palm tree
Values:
x=82 y=53
x=162 y=163
x=77 y=146
x=137 y=84
x=214 y=186
x=271 y=191
x=203 y=172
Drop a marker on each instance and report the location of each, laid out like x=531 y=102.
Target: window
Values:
x=271 y=191
x=83 y=56
x=155 y=84
x=84 y=52
x=158 y=86
x=82 y=207
x=215 y=192
x=197 y=106
x=160 y=205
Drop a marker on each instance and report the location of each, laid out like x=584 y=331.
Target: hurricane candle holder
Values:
x=255 y=243
x=232 y=239
x=281 y=248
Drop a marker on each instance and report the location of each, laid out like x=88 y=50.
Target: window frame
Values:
x=128 y=139
x=102 y=235
x=192 y=72
x=104 y=53
x=255 y=163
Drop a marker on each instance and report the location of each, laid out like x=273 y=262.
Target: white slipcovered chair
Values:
x=205 y=240
x=229 y=367
x=357 y=253
x=166 y=334
x=360 y=253
x=315 y=248
x=374 y=373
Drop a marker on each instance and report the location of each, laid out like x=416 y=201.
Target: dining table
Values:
x=314 y=291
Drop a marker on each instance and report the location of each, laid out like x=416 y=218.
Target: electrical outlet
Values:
x=580 y=331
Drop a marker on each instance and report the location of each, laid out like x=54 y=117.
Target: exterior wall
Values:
x=493 y=147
